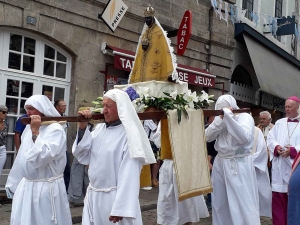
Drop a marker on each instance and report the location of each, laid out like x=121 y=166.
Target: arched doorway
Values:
x=240 y=75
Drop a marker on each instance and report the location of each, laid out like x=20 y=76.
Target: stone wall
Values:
x=74 y=26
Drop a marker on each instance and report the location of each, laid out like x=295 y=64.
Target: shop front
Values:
x=123 y=61
x=264 y=73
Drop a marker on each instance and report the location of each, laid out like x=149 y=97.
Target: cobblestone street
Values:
x=149 y=218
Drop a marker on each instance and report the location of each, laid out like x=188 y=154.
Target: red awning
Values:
x=124 y=61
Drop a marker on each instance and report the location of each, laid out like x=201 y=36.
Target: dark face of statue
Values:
x=145 y=47
x=149 y=20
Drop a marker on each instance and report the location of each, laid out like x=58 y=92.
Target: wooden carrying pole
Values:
x=151 y=113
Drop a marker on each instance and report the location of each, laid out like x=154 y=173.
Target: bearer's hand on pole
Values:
x=35 y=124
x=115 y=219
x=222 y=116
x=87 y=114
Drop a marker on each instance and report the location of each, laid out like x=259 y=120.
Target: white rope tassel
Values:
x=53 y=205
x=87 y=199
x=87 y=202
x=233 y=166
x=49 y=180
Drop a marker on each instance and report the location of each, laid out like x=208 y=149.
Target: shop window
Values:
x=53 y=93
x=21 y=53
x=55 y=63
x=16 y=94
x=248 y=4
x=29 y=65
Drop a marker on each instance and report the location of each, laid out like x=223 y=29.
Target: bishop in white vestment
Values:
x=115 y=152
x=36 y=178
x=283 y=142
x=234 y=196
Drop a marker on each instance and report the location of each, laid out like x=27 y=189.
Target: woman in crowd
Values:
x=3 y=136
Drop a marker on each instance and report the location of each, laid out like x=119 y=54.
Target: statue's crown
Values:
x=149 y=11
x=145 y=42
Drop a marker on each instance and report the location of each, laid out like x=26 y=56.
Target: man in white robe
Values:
x=260 y=159
x=169 y=210
x=283 y=142
x=115 y=152
x=265 y=126
x=36 y=178
x=234 y=196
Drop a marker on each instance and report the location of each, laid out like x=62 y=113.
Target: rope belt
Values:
x=49 y=180
x=234 y=160
x=90 y=188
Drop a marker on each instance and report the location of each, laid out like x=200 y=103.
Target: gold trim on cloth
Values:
x=165 y=149
x=145 y=177
x=188 y=144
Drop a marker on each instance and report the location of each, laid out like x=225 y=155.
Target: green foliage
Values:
x=179 y=102
x=172 y=101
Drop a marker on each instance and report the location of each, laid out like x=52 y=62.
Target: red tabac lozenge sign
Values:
x=184 y=32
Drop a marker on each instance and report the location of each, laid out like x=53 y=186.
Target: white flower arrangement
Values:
x=141 y=100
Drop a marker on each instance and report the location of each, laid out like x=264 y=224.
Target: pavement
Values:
x=148 y=202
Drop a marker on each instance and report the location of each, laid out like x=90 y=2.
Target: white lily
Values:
x=143 y=91
x=190 y=98
x=174 y=94
x=204 y=96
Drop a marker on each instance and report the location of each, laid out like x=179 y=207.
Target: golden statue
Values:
x=154 y=59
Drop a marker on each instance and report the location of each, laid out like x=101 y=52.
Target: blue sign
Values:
x=286 y=26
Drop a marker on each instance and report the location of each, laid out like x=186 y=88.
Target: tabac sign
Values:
x=184 y=32
x=113 y=13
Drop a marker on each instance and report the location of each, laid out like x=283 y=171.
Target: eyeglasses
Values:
x=4 y=112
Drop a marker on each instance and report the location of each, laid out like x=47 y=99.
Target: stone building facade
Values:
x=56 y=48
x=61 y=49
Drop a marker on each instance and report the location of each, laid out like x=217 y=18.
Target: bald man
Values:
x=283 y=142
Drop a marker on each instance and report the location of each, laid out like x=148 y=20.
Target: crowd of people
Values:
x=108 y=159
x=255 y=169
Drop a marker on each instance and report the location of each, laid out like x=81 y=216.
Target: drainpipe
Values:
x=210 y=24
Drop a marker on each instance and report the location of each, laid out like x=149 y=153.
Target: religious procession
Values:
x=130 y=113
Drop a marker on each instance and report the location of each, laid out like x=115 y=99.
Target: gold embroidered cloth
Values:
x=189 y=152
x=156 y=62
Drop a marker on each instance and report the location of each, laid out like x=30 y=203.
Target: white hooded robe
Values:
x=36 y=178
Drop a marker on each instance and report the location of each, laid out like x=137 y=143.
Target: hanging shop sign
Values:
x=113 y=13
x=123 y=63
x=286 y=26
x=184 y=32
x=195 y=77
